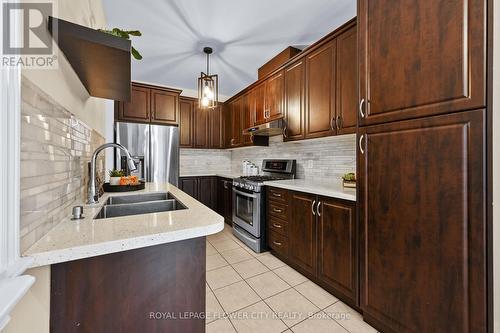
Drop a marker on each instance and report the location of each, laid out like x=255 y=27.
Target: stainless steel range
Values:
x=249 y=205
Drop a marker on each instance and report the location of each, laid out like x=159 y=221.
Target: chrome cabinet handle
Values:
x=284 y=132
x=277 y=210
x=277 y=243
x=317 y=208
x=361 y=144
x=340 y=123
x=276 y=225
x=276 y=194
x=312 y=207
x=332 y=125
x=361 y=108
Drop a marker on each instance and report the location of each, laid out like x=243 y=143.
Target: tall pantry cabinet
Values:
x=421 y=165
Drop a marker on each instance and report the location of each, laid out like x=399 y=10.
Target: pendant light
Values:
x=208 y=86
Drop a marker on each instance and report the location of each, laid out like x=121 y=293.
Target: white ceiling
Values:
x=243 y=34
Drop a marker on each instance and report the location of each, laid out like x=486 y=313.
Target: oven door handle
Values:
x=245 y=194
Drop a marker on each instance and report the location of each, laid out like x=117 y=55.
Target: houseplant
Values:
x=126 y=35
x=115 y=176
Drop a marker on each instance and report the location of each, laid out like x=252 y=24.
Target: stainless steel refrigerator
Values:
x=155 y=147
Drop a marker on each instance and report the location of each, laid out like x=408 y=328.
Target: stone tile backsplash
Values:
x=55 y=150
x=329 y=157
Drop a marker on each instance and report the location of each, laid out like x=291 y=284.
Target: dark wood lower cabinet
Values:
x=302 y=231
x=225 y=198
x=423 y=247
x=129 y=291
x=317 y=236
x=189 y=185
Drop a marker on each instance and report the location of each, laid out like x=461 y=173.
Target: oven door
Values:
x=246 y=211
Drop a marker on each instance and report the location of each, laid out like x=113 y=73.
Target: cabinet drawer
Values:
x=278 y=242
x=278 y=210
x=279 y=226
x=277 y=194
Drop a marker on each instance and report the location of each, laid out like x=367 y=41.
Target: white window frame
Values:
x=13 y=285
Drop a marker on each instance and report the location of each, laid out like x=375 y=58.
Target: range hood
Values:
x=271 y=128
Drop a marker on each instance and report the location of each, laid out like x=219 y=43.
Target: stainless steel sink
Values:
x=134 y=198
x=137 y=204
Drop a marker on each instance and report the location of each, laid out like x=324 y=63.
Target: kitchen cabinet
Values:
x=203 y=189
x=150 y=104
x=337 y=246
x=347 y=82
x=274 y=97
x=429 y=60
x=138 y=109
x=225 y=198
x=294 y=78
x=318 y=236
x=186 y=122
x=247 y=118
x=302 y=231
x=201 y=127
x=165 y=106
x=423 y=223
x=235 y=109
x=258 y=103
x=320 y=91
x=216 y=128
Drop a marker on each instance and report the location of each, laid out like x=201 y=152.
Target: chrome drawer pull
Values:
x=276 y=225
x=277 y=210
x=277 y=195
x=277 y=243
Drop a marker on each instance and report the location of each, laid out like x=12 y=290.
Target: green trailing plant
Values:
x=116 y=173
x=125 y=34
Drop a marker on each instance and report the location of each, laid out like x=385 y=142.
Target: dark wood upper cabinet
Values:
x=420 y=59
x=320 y=91
x=294 y=76
x=347 y=82
x=164 y=107
x=258 y=100
x=274 y=97
x=423 y=221
x=150 y=104
x=138 y=109
x=337 y=246
x=247 y=118
x=201 y=127
x=302 y=231
x=216 y=127
x=186 y=122
x=236 y=122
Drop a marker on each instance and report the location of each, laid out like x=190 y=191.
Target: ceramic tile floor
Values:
x=250 y=292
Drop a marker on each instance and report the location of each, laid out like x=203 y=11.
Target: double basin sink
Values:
x=137 y=204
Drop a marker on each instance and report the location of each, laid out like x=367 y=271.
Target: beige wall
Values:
x=63 y=85
x=31 y=314
x=496 y=167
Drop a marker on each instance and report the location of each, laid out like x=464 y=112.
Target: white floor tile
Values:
x=215 y=261
x=249 y=268
x=291 y=306
x=225 y=244
x=290 y=275
x=236 y=296
x=320 y=297
x=267 y=284
x=220 y=326
x=270 y=261
x=348 y=318
x=213 y=310
x=222 y=277
x=236 y=255
x=257 y=318
x=319 y=323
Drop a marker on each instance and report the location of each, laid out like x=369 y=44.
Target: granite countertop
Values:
x=72 y=240
x=217 y=174
x=325 y=187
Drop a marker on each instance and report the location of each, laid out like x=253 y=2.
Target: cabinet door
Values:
x=189 y=185
x=337 y=254
x=421 y=60
x=186 y=123
x=138 y=109
x=259 y=95
x=347 y=82
x=201 y=127
x=228 y=124
x=302 y=231
x=247 y=118
x=320 y=85
x=164 y=107
x=224 y=199
x=216 y=128
x=294 y=101
x=236 y=123
x=206 y=191
x=422 y=214
x=274 y=97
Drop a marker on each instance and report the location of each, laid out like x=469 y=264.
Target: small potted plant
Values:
x=115 y=176
x=349 y=180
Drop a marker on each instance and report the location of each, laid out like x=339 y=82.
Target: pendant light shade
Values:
x=208 y=86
